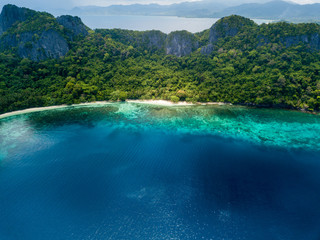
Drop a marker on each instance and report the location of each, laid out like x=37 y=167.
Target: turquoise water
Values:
x=137 y=171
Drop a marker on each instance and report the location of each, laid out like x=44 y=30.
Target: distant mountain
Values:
x=277 y=10
x=185 y=9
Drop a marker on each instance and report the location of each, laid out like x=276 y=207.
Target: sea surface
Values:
x=165 y=24
x=138 y=171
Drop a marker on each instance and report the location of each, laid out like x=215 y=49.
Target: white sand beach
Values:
x=152 y=102
x=161 y=102
x=39 y=109
x=29 y=110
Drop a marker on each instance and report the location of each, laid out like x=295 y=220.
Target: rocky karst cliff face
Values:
x=154 y=39
x=312 y=40
x=181 y=43
x=49 y=44
x=38 y=36
x=207 y=49
x=178 y=43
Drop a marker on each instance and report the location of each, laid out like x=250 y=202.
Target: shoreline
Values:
x=160 y=102
x=40 y=109
x=151 y=102
x=30 y=110
x=170 y=103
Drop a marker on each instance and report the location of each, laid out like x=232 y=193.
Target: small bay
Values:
x=165 y=24
x=138 y=171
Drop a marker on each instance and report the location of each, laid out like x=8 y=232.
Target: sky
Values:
x=68 y=4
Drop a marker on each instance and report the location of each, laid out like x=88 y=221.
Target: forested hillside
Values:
x=236 y=61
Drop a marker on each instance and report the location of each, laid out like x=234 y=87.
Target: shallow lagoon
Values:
x=136 y=171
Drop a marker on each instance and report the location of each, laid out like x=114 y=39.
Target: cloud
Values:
x=305 y=1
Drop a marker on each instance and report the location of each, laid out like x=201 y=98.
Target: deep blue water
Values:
x=110 y=173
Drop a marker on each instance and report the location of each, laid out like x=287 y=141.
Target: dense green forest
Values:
x=256 y=66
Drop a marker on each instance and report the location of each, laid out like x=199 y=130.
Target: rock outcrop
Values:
x=206 y=50
x=313 y=40
x=49 y=44
x=154 y=40
x=74 y=25
x=181 y=43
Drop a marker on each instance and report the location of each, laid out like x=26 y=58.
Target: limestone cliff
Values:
x=49 y=44
x=154 y=40
x=181 y=43
x=35 y=35
x=312 y=40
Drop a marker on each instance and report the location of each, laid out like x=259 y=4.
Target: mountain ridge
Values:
x=39 y=35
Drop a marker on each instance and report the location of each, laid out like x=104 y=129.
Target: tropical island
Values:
x=77 y=162
x=47 y=61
